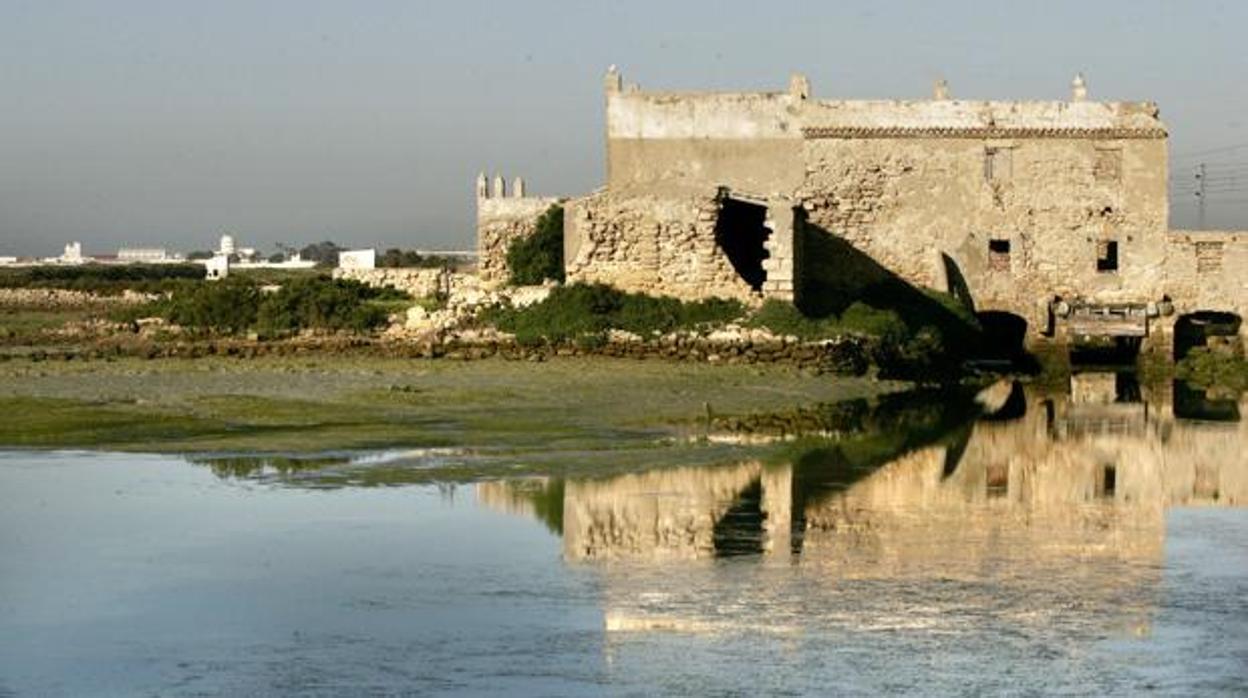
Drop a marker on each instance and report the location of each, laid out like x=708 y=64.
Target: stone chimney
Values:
x=799 y=87
x=517 y=187
x=1078 y=88
x=940 y=89
x=500 y=187
x=483 y=186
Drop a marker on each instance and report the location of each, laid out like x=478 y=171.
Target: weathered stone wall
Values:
x=501 y=221
x=1008 y=205
x=419 y=283
x=926 y=209
x=656 y=245
x=1207 y=270
x=918 y=187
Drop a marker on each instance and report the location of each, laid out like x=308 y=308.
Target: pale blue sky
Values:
x=168 y=122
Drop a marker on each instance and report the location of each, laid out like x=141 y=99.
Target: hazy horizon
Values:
x=150 y=123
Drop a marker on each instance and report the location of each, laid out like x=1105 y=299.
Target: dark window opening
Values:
x=741 y=232
x=1107 y=256
x=1109 y=481
x=999 y=255
x=1127 y=388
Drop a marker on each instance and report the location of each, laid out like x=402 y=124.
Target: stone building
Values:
x=1048 y=217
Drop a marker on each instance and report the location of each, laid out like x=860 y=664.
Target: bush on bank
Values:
x=533 y=259
x=234 y=306
x=584 y=312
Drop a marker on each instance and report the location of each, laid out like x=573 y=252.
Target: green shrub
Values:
x=309 y=302
x=784 y=318
x=1207 y=368
x=104 y=279
x=227 y=307
x=321 y=304
x=533 y=259
x=584 y=312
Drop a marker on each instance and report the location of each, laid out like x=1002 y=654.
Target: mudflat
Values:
x=318 y=404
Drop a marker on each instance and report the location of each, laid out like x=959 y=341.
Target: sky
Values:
x=169 y=122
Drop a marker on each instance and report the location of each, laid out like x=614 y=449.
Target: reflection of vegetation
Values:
x=579 y=311
x=1207 y=368
x=251 y=467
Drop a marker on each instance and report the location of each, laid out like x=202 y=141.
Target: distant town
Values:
x=230 y=254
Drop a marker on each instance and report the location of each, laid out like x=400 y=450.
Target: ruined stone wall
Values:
x=650 y=244
x=1207 y=270
x=501 y=221
x=927 y=208
x=419 y=283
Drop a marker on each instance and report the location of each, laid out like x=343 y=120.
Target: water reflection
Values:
x=1035 y=508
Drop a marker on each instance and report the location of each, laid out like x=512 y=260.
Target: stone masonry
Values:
x=1055 y=212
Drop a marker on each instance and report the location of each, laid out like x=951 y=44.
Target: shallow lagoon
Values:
x=1051 y=546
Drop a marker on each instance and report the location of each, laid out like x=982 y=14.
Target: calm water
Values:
x=1098 y=546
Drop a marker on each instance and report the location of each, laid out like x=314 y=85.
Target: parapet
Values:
x=499 y=190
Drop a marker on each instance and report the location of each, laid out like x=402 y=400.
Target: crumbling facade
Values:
x=1054 y=213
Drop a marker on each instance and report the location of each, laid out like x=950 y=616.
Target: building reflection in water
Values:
x=1046 y=511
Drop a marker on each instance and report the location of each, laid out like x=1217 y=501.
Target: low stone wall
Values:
x=63 y=298
x=847 y=356
x=419 y=283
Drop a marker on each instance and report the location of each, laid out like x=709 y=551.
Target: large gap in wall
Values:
x=742 y=234
x=1218 y=331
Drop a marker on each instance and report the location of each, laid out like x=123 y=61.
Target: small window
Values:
x=999 y=255
x=1107 y=256
x=998 y=164
x=1109 y=481
x=1108 y=166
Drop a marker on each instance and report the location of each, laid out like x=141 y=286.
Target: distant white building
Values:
x=229 y=247
x=217 y=267
x=72 y=254
x=145 y=255
x=357 y=259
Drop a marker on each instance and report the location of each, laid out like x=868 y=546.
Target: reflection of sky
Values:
x=125 y=574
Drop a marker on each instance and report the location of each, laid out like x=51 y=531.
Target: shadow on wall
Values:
x=834 y=275
x=741 y=232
